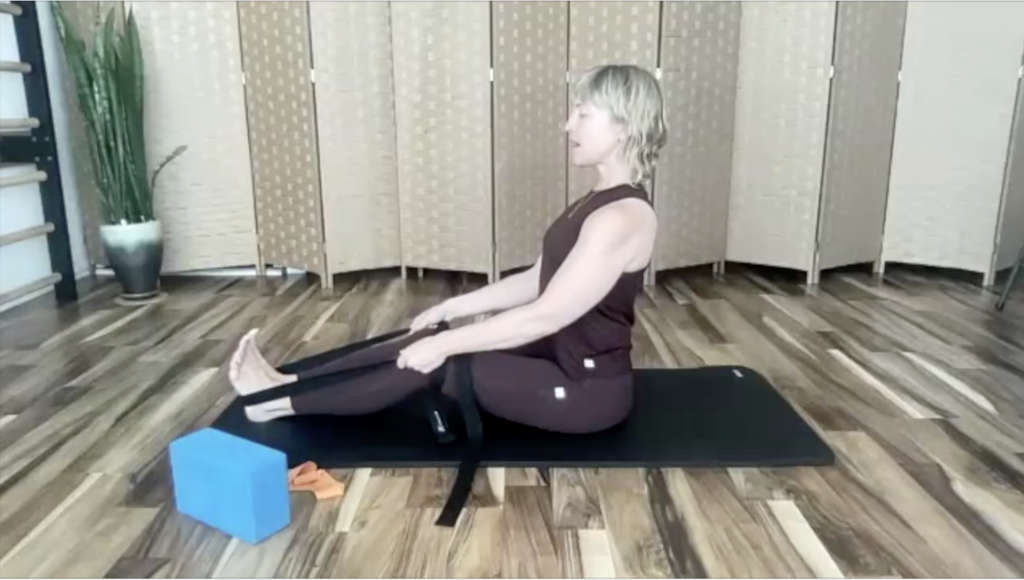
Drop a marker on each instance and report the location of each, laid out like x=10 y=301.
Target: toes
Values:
x=250 y=342
x=236 y=358
x=244 y=347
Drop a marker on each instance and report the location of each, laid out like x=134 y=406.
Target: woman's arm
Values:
x=515 y=290
x=606 y=246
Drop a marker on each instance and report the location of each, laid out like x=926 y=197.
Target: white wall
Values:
x=20 y=207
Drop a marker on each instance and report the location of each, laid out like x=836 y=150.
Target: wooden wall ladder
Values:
x=30 y=144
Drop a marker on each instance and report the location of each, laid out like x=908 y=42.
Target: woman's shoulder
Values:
x=626 y=217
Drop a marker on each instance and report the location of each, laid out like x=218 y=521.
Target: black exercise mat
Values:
x=701 y=417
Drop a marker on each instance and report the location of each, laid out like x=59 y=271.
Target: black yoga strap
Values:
x=326 y=357
x=472 y=447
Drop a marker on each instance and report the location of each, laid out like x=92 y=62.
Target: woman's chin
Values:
x=577 y=161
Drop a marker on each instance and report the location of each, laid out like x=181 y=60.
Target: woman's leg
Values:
x=250 y=372
x=535 y=392
x=347 y=394
x=522 y=385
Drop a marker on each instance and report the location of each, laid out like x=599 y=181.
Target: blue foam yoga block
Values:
x=231 y=484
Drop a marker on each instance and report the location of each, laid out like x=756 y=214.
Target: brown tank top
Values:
x=599 y=343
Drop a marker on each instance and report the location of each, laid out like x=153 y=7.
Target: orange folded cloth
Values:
x=309 y=477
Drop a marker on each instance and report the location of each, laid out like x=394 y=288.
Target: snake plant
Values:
x=109 y=76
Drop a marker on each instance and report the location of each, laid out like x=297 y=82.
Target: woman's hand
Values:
x=430 y=317
x=424 y=355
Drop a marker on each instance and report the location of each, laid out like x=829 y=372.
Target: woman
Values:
x=557 y=354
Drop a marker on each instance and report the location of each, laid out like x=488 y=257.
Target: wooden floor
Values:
x=917 y=383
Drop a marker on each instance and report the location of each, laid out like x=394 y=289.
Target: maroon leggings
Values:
x=522 y=385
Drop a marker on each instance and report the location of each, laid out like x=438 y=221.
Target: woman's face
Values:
x=593 y=135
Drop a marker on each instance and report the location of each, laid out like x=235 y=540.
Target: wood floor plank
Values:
x=74 y=524
x=803 y=539
x=575 y=498
x=956 y=548
x=528 y=546
x=976 y=510
x=595 y=553
x=136 y=567
x=737 y=537
x=476 y=548
x=683 y=559
x=862 y=534
x=25 y=518
x=157 y=421
x=311 y=555
x=567 y=545
x=97 y=548
x=373 y=546
x=636 y=542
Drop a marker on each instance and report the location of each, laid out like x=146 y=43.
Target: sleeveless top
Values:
x=599 y=343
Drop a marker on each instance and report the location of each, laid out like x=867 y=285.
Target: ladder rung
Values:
x=26 y=234
x=29 y=288
x=12 y=9
x=15 y=66
x=18 y=124
x=23 y=178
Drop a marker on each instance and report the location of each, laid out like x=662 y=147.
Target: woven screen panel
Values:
x=699 y=59
x=869 y=40
x=195 y=97
x=443 y=115
x=781 y=108
x=1011 y=229
x=282 y=133
x=81 y=16
x=608 y=33
x=356 y=126
x=530 y=50
x=959 y=82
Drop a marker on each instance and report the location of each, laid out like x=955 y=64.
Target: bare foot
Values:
x=270 y=410
x=249 y=372
x=254 y=352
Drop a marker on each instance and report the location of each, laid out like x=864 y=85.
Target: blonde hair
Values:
x=633 y=98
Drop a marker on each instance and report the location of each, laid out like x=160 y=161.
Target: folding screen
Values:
x=81 y=16
x=530 y=45
x=603 y=33
x=961 y=62
x=1011 y=226
x=699 y=56
x=355 y=101
x=442 y=71
x=282 y=134
x=195 y=97
x=862 y=111
x=781 y=112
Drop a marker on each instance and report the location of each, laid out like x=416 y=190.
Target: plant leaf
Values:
x=178 y=151
x=109 y=81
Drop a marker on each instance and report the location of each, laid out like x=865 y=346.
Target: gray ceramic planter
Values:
x=136 y=254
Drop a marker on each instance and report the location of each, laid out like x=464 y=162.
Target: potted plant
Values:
x=108 y=78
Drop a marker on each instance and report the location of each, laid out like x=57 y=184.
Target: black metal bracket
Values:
x=39 y=146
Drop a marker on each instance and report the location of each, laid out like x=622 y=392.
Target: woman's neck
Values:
x=612 y=175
